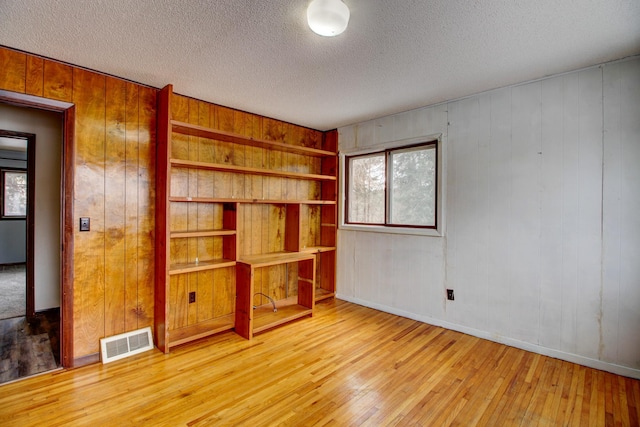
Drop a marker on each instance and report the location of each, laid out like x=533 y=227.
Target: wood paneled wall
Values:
x=115 y=126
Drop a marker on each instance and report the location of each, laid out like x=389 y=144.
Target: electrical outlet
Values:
x=85 y=224
x=450 y=296
x=192 y=297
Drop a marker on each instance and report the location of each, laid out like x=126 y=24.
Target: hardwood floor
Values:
x=29 y=346
x=348 y=365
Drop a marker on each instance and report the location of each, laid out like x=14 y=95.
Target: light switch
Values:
x=84 y=224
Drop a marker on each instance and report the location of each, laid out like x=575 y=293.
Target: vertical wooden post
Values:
x=162 y=231
x=244 y=300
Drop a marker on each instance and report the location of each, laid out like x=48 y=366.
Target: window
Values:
x=14 y=194
x=394 y=188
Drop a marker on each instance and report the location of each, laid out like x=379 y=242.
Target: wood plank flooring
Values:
x=346 y=366
x=24 y=350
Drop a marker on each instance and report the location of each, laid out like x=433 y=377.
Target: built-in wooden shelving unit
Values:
x=244 y=225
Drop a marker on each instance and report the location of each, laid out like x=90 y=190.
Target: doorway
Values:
x=30 y=240
x=17 y=195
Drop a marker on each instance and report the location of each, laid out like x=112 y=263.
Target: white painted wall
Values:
x=13 y=247
x=48 y=129
x=542 y=235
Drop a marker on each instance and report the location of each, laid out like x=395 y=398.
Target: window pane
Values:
x=15 y=194
x=413 y=187
x=366 y=189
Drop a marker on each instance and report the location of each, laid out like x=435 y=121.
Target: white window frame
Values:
x=440 y=190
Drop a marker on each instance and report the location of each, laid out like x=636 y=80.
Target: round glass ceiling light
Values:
x=328 y=17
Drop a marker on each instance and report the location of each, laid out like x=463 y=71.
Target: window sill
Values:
x=429 y=232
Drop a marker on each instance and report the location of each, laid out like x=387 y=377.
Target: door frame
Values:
x=66 y=227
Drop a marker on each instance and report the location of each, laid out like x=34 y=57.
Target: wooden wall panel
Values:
x=192 y=208
x=130 y=205
x=13 y=69
x=146 y=202
x=192 y=309
x=225 y=291
x=115 y=126
x=208 y=247
x=243 y=124
x=224 y=182
x=89 y=252
x=34 y=76
x=204 y=296
x=115 y=168
x=58 y=81
x=192 y=216
x=179 y=142
x=255 y=157
x=273 y=228
x=178 y=299
x=272 y=130
x=290 y=161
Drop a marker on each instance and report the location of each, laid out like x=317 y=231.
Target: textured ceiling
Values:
x=261 y=57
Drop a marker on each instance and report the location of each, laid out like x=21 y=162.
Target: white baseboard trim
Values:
x=569 y=357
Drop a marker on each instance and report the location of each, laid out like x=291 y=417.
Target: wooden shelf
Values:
x=192 y=164
x=192 y=267
x=201 y=233
x=318 y=249
x=322 y=294
x=201 y=330
x=266 y=260
x=250 y=320
x=251 y=201
x=288 y=309
x=219 y=135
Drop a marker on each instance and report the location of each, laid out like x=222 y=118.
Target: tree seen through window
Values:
x=393 y=187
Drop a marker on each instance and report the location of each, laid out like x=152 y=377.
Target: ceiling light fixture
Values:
x=328 y=17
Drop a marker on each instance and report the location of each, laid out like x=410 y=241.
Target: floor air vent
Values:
x=125 y=345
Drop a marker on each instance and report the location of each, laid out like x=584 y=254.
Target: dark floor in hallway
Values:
x=29 y=346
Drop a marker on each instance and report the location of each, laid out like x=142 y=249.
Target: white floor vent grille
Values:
x=125 y=345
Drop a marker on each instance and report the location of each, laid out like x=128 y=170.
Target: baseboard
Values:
x=86 y=360
x=48 y=310
x=569 y=357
